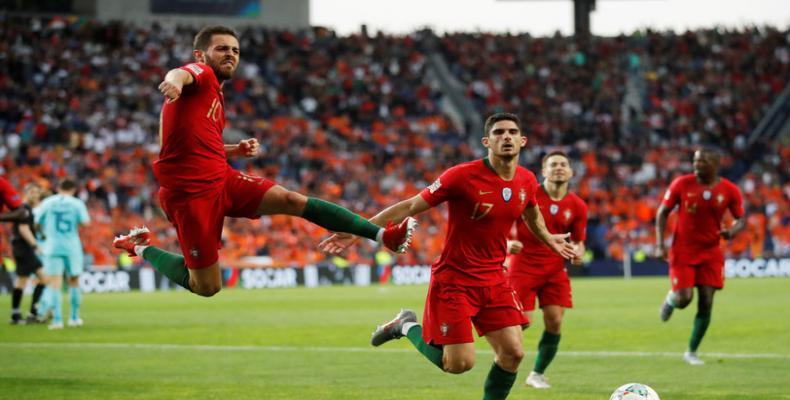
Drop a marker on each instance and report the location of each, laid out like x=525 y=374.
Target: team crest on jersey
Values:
x=435 y=186
x=554 y=209
x=522 y=195
x=507 y=193
x=567 y=214
x=706 y=195
x=720 y=198
x=444 y=328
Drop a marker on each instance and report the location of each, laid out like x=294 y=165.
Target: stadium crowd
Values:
x=356 y=120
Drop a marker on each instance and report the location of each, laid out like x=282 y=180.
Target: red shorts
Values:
x=703 y=268
x=198 y=218
x=551 y=286
x=451 y=310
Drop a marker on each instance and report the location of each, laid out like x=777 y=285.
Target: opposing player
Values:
x=24 y=247
x=535 y=270
x=198 y=188
x=60 y=216
x=468 y=284
x=695 y=258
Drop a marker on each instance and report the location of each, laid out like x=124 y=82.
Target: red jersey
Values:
x=192 y=158
x=9 y=197
x=482 y=209
x=701 y=208
x=567 y=215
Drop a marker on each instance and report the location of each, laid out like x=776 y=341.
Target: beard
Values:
x=221 y=73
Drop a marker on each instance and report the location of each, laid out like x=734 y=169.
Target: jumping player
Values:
x=198 y=188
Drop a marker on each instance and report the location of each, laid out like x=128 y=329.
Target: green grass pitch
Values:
x=314 y=344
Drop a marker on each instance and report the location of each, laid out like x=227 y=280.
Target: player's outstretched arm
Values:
x=174 y=82
x=661 y=223
x=245 y=148
x=339 y=242
x=537 y=225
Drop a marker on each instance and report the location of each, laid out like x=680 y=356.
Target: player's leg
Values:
x=74 y=268
x=447 y=323
x=709 y=278
x=682 y=277
x=334 y=218
x=198 y=221
x=508 y=353
x=500 y=321
x=75 y=301
x=16 y=299
x=555 y=297
x=54 y=266
x=547 y=346
x=702 y=319
x=37 y=293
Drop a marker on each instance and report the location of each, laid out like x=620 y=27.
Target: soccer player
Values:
x=695 y=258
x=198 y=188
x=468 y=284
x=24 y=246
x=10 y=199
x=59 y=216
x=536 y=270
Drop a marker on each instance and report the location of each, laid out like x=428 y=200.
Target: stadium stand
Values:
x=356 y=120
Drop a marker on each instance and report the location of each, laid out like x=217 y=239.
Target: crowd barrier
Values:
x=146 y=279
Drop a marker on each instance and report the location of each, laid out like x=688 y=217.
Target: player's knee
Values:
x=459 y=366
x=682 y=301
x=294 y=200
x=511 y=359
x=207 y=290
x=553 y=324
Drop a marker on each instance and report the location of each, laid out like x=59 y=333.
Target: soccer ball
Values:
x=634 y=391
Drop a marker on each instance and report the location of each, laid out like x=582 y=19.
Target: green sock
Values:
x=547 y=348
x=701 y=322
x=169 y=264
x=498 y=383
x=432 y=353
x=335 y=218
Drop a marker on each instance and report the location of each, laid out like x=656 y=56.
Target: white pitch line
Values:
x=201 y=347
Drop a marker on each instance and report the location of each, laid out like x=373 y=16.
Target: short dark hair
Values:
x=710 y=151
x=500 y=116
x=552 y=154
x=67 y=184
x=203 y=38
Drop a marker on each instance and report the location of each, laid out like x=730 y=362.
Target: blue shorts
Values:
x=71 y=264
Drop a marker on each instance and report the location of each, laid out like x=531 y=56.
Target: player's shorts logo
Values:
x=444 y=328
x=507 y=193
x=194 y=252
x=554 y=209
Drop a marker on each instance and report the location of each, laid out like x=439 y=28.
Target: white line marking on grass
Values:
x=201 y=347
